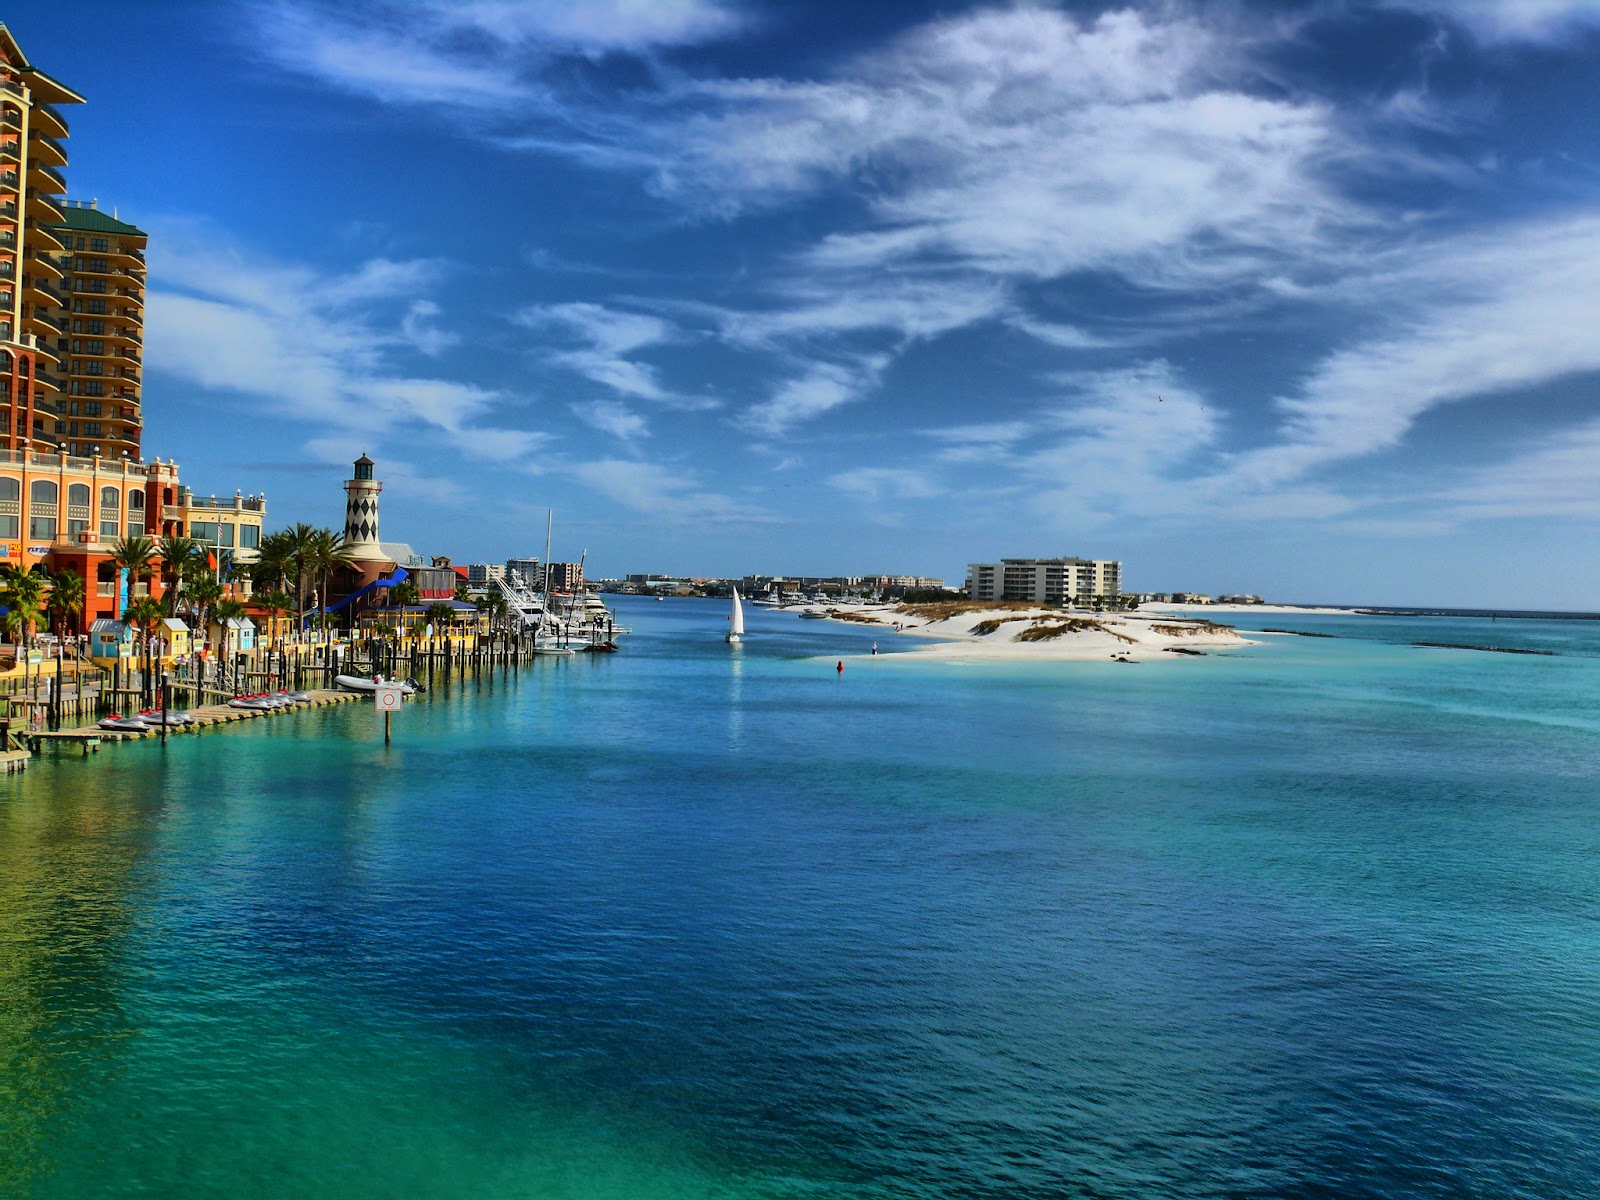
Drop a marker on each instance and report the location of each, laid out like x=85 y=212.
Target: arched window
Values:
x=110 y=512
x=10 y=508
x=77 y=509
x=42 y=524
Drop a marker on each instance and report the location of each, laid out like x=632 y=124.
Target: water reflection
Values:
x=70 y=856
x=736 y=696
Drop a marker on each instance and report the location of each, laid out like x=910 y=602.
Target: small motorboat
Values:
x=120 y=724
x=360 y=683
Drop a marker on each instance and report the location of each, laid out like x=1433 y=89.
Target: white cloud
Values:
x=592 y=26
x=1476 y=316
x=311 y=345
x=419 y=329
x=1512 y=21
x=820 y=389
x=876 y=484
x=473 y=55
x=1556 y=476
x=907 y=308
x=608 y=416
x=606 y=339
x=674 y=495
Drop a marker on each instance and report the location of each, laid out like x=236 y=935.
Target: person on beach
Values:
x=874 y=647
x=840 y=667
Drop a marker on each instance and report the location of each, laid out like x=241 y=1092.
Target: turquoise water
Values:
x=1320 y=918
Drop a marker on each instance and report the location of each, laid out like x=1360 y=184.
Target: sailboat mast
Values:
x=544 y=600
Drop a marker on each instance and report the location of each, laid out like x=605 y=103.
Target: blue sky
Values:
x=1298 y=299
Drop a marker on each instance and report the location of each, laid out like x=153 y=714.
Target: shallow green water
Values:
x=1320 y=918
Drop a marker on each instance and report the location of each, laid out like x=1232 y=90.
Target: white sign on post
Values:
x=387 y=697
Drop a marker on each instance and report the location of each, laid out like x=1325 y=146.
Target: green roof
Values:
x=93 y=220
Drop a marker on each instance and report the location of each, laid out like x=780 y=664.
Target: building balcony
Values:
x=43 y=203
x=52 y=323
x=8 y=210
x=45 y=236
x=46 y=151
x=37 y=291
x=46 y=180
x=49 y=120
x=51 y=266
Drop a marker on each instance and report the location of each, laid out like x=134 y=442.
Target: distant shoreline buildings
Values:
x=1045 y=580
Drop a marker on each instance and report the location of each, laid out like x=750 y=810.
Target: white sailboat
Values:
x=736 y=620
x=543 y=642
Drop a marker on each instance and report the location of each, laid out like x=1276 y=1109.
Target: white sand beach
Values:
x=974 y=630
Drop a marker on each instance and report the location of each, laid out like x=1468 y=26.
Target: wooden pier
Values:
x=89 y=739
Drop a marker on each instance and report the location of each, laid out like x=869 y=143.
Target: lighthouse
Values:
x=361 y=512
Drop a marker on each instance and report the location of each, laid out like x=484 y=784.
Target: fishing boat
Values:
x=736 y=621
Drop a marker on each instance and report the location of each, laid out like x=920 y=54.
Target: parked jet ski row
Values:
x=269 y=700
x=151 y=720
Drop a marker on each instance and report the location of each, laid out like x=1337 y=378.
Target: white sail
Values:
x=736 y=621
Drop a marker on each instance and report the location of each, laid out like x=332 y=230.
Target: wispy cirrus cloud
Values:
x=315 y=345
x=1507 y=22
x=876 y=484
x=1556 y=475
x=480 y=56
x=672 y=494
x=1474 y=316
x=603 y=343
x=819 y=388
x=609 y=416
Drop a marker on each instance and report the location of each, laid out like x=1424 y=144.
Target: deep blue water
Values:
x=1316 y=918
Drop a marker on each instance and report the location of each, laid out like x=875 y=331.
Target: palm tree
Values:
x=203 y=593
x=301 y=540
x=180 y=556
x=493 y=605
x=440 y=615
x=22 y=592
x=329 y=554
x=276 y=561
x=404 y=594
x=134 y=554
x=66 y=599
x=274 y=603
x=145 y=615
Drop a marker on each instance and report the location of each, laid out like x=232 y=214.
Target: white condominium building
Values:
x=1045 y=580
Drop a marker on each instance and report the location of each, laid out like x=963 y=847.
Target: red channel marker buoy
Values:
x=840 y=667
